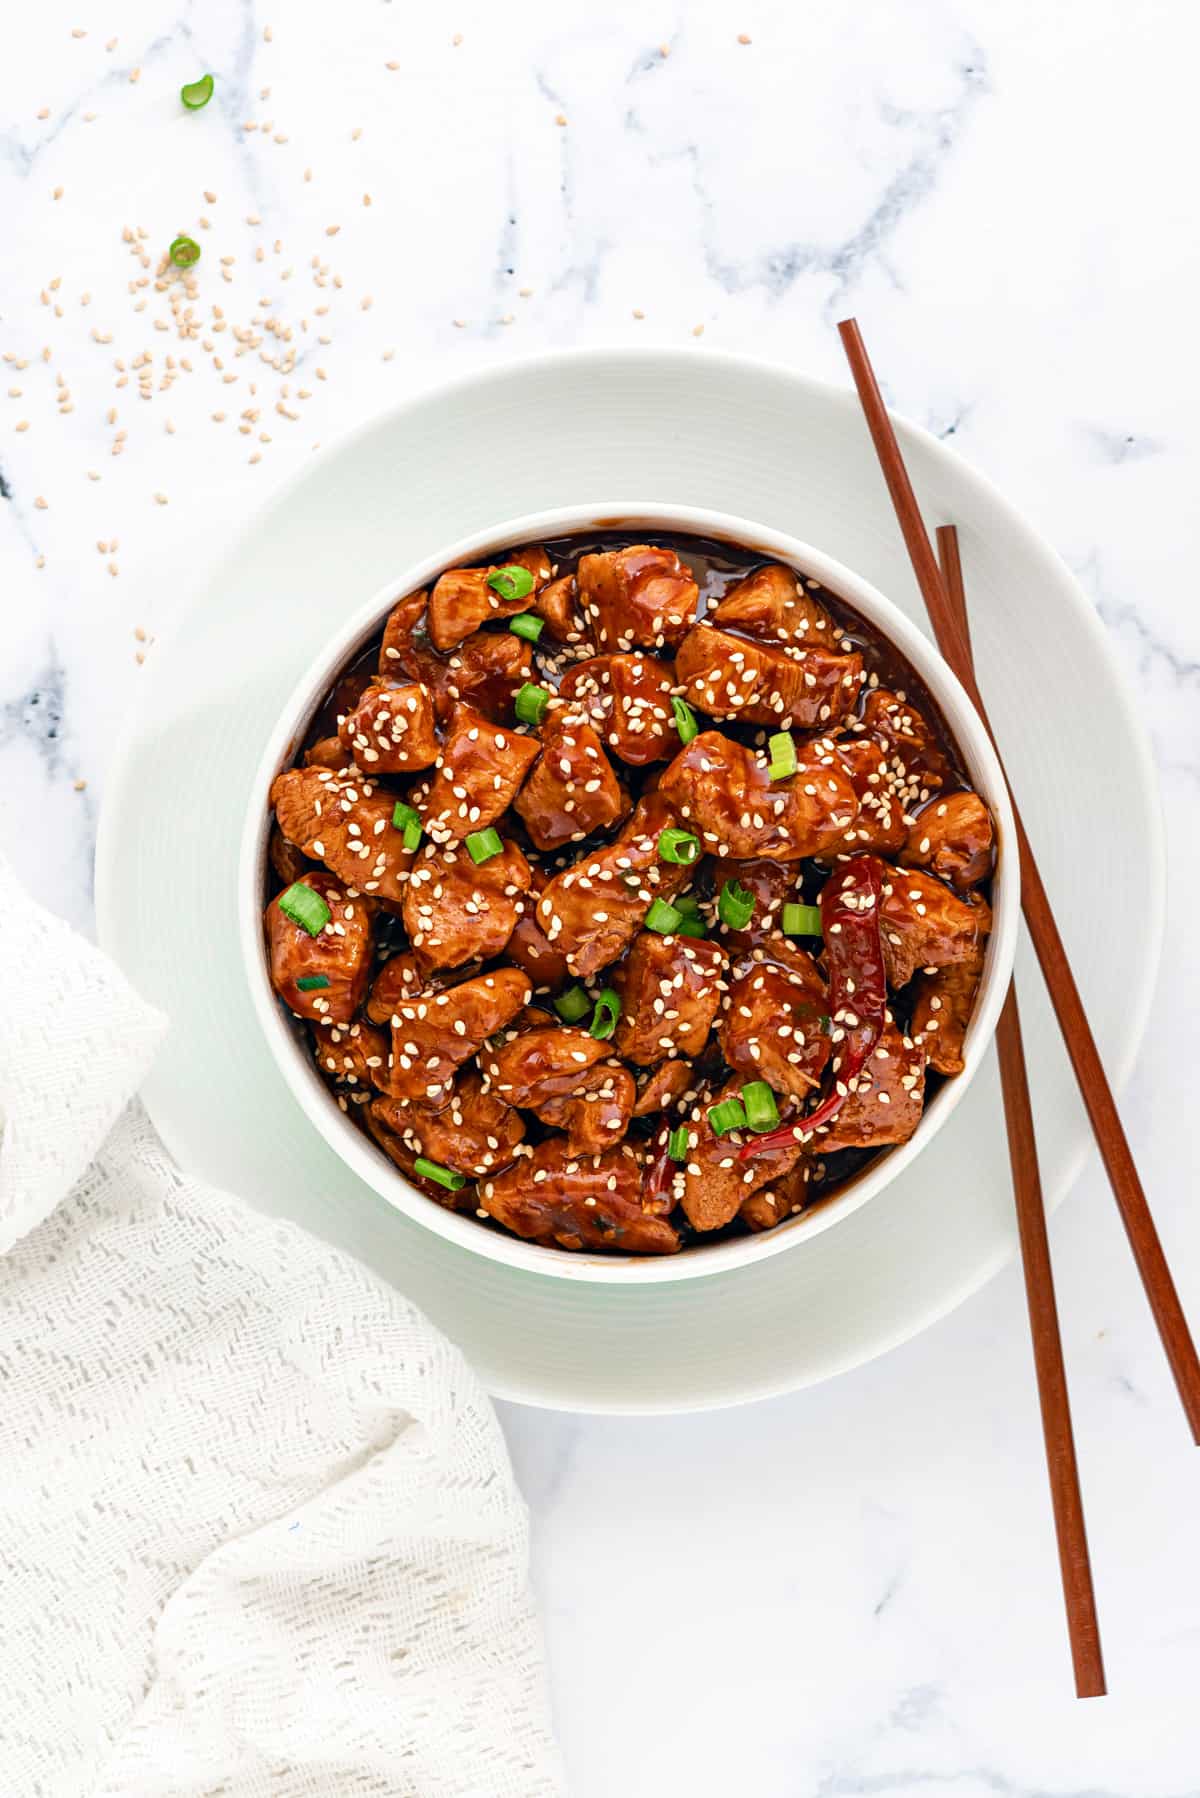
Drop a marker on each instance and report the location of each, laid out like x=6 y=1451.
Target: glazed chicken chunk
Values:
x=465 y=598
x=953 y=838
x=456 y=910
x=472 y=1130
x=345 y=822
x=925 y=925
x=885 y=1101
x=670 y=989
x=479 y=773
x=593 y=910
x=628 y=699
x=714 y=1182
x=725 y=791
x=571 y=790
x=390 y=730
x=774 y=604
x=636 y=595
x=434 y=1033
x=775 y=1026
x=334 y=964
x=569 y=1081
x=571 y=1201
x=761 y=683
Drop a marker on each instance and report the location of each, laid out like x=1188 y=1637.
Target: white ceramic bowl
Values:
x=287 y=1041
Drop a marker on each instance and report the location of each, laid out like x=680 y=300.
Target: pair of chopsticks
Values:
x=942 y=589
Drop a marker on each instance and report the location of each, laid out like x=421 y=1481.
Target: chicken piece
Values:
x=885 y=1101
x=400 y=977
x=345 y=822
x=456 y=911
x=773 y=603
x=434 y=1033
x=726 y=792
x=558 y=604
x=462 y=600
x=568 y=1080
x=353 y=1054
x=670 y=988
x=390 y=730
x=915 y=752
x=398 y=1152
x=953 y=837
x=474 y=1133
x=560 y=1199
x=662 y=1087
x=339 y=956
x=487 y=670
x=775 y=1026
x=712 y=1185
x=942 y=1005
x=925 y=925
x=770 y=884
x=328 y=752
x=762 y=683
x=479 y=772
x=288 y=862
x=783 y=1198
x=641 y=594
x=593 y=910
x=571 y=789
x=628 y=699
x=529 y=948
x=399 y=653
x=882 y=821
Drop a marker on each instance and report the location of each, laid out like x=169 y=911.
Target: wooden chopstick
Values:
x=1070 y=1528
x=1093 y=1084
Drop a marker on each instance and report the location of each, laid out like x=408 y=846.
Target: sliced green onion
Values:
x=677 y=1143
x=311 y=983
x=692 y=924
x=572 y=1005
x=527 y=625
x=686 y=902
x=735 y=907
x=482 y=845
x=782 y=752
x=305 y=907
x=408 y=819
x=685 y=720
x=762 y=1113
x=445 y=1176
x=184 y=251
x=678 y=846
x=801 y=920
x=196 y=94
x=730 y=1114
x=604 y=1019
x=531 y=702
x=511 y=582
x=663 y=918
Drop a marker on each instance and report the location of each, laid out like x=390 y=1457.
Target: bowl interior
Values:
x=285 y=1036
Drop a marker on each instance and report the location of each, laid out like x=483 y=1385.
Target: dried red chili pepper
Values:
x=850 y=905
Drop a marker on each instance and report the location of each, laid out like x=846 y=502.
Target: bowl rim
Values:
x=356 y=1149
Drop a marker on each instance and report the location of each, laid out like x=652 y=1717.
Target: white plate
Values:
x=702 y=429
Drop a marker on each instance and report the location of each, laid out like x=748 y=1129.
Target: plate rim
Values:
x=120 y=778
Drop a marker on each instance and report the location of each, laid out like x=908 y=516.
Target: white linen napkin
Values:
x=258 y=1530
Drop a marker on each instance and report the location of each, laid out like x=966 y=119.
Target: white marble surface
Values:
x=852 y=1591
